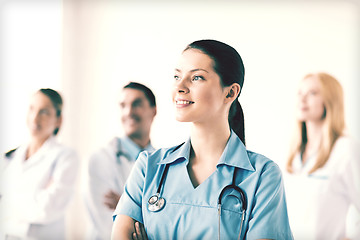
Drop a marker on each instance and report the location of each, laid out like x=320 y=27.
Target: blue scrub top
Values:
x=192 y=213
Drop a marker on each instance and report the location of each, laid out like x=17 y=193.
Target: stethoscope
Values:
x=242 y=200
x=157 y=202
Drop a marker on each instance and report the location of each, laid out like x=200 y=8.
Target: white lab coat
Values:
x=318 y=203
x=107 y=171
x=35 y=193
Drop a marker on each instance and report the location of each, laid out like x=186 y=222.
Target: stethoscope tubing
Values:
x=162 y=178
x=156 y=202
x=242 y=199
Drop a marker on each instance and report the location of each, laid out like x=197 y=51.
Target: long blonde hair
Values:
x=334 y=122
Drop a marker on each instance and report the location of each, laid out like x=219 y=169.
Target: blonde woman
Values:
x=323 y=167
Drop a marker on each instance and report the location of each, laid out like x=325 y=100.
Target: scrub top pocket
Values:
x=231 y=214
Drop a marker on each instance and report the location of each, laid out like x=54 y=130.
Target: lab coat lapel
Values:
x=41 y=155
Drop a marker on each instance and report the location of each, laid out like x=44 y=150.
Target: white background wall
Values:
x=89 y=49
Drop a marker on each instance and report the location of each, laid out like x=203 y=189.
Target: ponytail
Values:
x=236 y=120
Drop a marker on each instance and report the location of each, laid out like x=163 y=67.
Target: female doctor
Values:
x=192 y=200
x=324 y=164
x=37 y=179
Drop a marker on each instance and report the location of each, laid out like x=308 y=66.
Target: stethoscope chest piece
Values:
x=156 y=203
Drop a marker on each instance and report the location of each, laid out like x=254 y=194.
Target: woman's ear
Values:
x=59 y=122
x=232 y=92
x=154 y=111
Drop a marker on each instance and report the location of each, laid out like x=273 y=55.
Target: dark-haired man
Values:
x=110 y=166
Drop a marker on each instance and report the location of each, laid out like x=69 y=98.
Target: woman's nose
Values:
x=302 y=97
x=33 y=116
x=181 y=86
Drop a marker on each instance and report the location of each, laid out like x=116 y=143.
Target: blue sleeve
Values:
x=131 y=199
x=269 y=217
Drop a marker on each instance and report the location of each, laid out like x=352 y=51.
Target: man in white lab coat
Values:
x=110 y=166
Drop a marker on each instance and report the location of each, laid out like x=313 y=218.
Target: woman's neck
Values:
x=314 y=133
x=208 y=143
x=34 y=146
x=314 y=138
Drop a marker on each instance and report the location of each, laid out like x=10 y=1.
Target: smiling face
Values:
x=41 y=117
x=310 y=101
x=136 y=113
x=197 y=93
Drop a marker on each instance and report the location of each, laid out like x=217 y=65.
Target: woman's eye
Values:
x=176 y=77
x=44 y=112
x=313 y=93
x=196 y=78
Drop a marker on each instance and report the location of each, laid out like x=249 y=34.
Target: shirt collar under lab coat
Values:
x=129 y=147
x=234 y=154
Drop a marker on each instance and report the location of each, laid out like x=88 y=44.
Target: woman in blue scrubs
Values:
x=188 y=180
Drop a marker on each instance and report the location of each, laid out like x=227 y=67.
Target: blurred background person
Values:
x=323 y=168
x=37 y=178
x=109 y=167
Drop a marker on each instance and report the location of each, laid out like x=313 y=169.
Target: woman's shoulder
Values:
x=150 y=162
x=7 y=157
x=347 y=142
x=161 y=153
x=10 y=153
x=261 y=162
x=155 y=157
x=266 y=172
x=345 y=148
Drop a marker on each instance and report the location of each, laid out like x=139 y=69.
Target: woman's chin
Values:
x=181 y=119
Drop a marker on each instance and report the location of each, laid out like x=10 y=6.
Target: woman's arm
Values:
x=123 y=228
x=268 y=217
x=129 y=206
x=127 y=228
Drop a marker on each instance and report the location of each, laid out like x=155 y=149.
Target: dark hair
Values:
x=229 y=66
x=56 y=100
x=148 y=93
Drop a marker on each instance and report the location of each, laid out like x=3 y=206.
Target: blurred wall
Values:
x=89 y=49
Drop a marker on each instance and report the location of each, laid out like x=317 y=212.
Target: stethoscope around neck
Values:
x=157 y=202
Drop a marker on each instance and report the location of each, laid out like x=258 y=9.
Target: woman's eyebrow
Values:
x=198 y=69
x=193 y=70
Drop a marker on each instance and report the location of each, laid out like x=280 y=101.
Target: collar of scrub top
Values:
x=234 y=147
